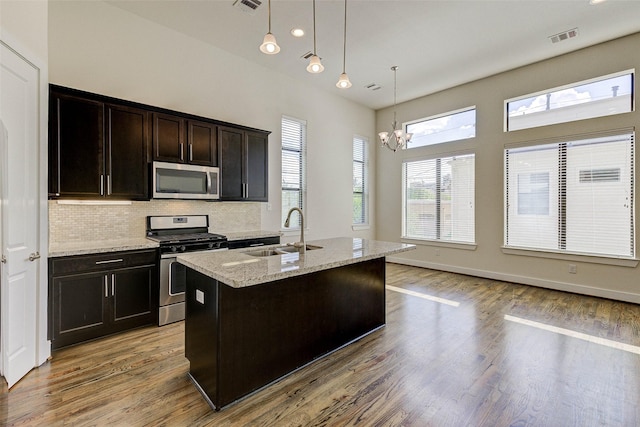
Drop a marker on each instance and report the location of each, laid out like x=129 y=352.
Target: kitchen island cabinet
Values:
x=252 y=320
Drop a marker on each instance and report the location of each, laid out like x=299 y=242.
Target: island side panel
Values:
x=266 y=331
x=201 y=333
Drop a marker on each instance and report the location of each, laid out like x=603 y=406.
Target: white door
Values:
x=19 y=176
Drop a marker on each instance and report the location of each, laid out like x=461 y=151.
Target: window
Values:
x=451 y=126
x=294 y=138
x=573 y=195
x=360 y=183
x=439 y=198
x=603 y=96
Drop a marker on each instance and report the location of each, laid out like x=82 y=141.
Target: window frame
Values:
x=406 y=125
x=461 y=244
x=301 y=183
x=572 y=85
x=561 y=173
x=364 y=194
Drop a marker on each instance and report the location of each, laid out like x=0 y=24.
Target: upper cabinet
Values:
x=97 y=149
x=179 y=140
x=102 y=147
x=243 y=165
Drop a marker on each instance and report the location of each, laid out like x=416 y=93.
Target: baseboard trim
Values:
x=524 y=280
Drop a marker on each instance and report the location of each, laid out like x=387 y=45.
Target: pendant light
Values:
x=269 y=44
x=315 y=66
x=343 y=82
x=397 y=138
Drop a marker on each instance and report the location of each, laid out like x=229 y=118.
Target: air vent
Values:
x=248 y=6
x=566 y=35
x=373 y=86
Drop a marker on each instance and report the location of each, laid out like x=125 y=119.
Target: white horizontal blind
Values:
x=294 y=136
x=360 y=184
x=439 y=199
x=575 y=196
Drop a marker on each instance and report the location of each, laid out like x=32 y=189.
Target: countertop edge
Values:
x=270 y=277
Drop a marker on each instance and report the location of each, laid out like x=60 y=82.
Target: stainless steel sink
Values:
x=280 y=250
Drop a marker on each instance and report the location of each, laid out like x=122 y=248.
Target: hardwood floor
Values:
x=477 y=357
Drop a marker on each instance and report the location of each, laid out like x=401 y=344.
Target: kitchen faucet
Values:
x=302 y=247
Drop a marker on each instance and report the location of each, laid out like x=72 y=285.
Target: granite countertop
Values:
x=99 y=246
x=237 y=269
x=60 y=249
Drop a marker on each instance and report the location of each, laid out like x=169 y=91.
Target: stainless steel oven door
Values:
x=172 y=287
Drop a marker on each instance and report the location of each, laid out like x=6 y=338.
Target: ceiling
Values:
x=435 y=44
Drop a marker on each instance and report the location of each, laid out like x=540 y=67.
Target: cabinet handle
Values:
x=102 y=185
x=256 y=244
x=106 y=286
x=181 y=151
x=113 y=285
x=109 y=261
x=34 y=256
x=190 y=152
x=108 y=185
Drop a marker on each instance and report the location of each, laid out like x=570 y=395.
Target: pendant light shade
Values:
x=269 y=44
x=343 y=81
x=315 y=66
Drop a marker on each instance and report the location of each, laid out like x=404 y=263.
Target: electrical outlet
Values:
x=573 y=269
x=437 y=252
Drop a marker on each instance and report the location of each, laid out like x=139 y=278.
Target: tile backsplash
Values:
x=81 y=222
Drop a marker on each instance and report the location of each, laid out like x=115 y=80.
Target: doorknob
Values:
x=3 y=259
x=34 y=256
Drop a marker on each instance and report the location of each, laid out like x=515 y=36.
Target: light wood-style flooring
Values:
x=488 y=353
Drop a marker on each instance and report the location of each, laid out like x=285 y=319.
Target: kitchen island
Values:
x=254 y=316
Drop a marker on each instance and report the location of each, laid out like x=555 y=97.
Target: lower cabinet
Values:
x=95 y=295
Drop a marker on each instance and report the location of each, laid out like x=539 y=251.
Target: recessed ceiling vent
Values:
x=308 y=55
x=248 y=6
x=373 y=86
x=566 y=35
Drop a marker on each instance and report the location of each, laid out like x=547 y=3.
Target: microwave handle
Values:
x=209 y=184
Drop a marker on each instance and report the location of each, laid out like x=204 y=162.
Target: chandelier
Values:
x=397 y=138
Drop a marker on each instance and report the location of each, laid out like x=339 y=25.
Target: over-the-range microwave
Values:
x=180 y=181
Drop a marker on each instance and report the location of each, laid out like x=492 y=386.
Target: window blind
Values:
x=439 y=199
x=572 y=196
x=360 y=202
x=294 y=134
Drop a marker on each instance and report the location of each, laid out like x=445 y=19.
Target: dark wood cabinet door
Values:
x=79 y=310
x=257 y=173
x=127 y=168
x=168 y=138
x=76 y=156
x=231 y=158
x=202 y=143
x=133 y=297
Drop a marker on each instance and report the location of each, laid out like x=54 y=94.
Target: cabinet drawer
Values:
x=100 y=262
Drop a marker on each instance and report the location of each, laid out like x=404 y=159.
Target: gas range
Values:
x=186 y=233
x=176 y=235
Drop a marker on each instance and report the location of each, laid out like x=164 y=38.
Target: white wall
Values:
x=488 y=259
x=102 y=49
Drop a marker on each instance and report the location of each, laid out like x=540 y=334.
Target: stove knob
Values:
x=211 y=245
x=183 y=248
x=174 y=249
